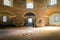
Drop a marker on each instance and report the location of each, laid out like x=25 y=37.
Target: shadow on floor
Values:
x=7 y=26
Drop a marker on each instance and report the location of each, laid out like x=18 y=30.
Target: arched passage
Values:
x=30 y=19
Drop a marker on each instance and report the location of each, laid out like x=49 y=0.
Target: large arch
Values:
x=49 y=12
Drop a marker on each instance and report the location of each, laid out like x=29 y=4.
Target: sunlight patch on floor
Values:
x=47 y=28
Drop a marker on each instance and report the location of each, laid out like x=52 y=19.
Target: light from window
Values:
x=53 y=2
x=29 y=20
x=29 y=5
x=8 y=2
x=56 y=18
x=4 y=18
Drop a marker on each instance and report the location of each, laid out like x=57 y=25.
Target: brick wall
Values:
x=41 y=10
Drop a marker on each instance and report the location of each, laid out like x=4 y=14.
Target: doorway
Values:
x=30 y=20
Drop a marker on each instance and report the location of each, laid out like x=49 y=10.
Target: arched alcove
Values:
x=7 y=18
x=48 y=14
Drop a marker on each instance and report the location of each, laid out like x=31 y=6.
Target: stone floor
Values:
x=29 y=33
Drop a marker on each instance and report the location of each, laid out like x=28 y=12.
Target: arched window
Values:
x=4 y=18
x=8 y=3
x=56 y=19
x=53 y=2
